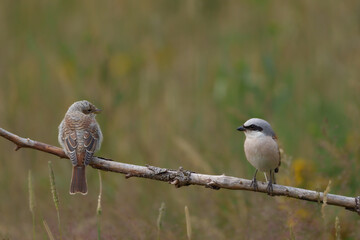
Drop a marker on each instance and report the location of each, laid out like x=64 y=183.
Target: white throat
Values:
x=254 y=134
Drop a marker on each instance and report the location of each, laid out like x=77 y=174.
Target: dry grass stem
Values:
x=325 y=199
x=48 y=231
x=337 y=229
x=31 y=201
x=98 y=209
x=159 y=219
x=53 y=186
x=55 y=196
x=188 y=223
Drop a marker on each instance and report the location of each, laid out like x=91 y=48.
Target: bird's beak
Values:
x=241 y=128
x=96 y=111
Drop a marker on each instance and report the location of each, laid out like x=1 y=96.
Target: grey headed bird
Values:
x=261 y=149
x=80 y=136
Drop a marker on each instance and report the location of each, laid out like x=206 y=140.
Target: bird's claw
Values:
x=270 y=189
x=254 y=184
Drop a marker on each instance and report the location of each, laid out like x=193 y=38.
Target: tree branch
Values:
x=183 y=177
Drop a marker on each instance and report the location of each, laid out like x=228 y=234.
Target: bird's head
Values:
x=85 y=107
x=256 y=127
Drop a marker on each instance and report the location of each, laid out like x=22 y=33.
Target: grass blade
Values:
x=337 y=229
x=188 y=223
x=327 y=190
x=159 y=219
x=32 y=201
x=50 y=235
x=55 y=195
x=99 y=210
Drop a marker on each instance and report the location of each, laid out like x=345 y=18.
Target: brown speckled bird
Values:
x=80 y=136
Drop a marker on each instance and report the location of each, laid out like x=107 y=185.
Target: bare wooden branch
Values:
x=182 y=177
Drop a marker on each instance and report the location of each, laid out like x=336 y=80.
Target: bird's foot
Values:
x=270 y=189
x=254 y=184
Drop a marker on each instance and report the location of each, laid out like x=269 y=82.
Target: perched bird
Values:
x=261 y=149
x=80 y=136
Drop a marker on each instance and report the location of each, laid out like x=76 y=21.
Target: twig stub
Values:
x=357 y=204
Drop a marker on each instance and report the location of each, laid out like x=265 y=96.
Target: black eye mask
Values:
x=253 y=127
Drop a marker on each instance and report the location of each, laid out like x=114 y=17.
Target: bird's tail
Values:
x=78 y=180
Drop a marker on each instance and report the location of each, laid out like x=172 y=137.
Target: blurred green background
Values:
x=175 y=79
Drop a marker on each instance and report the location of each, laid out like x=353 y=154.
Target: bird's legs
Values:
x=253 y=182
x=274 y=180
x=269 y=188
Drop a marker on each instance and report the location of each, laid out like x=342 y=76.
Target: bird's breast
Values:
x=262 y=153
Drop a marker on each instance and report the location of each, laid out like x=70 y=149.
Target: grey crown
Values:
x=267 y=130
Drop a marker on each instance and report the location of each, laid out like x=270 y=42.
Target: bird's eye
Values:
x=254 y=127
x=89 y=110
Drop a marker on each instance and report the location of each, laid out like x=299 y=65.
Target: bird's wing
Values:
x=70 y=145
x=276 y=140
x=91 y=139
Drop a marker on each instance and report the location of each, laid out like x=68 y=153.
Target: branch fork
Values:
x=179 y=178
